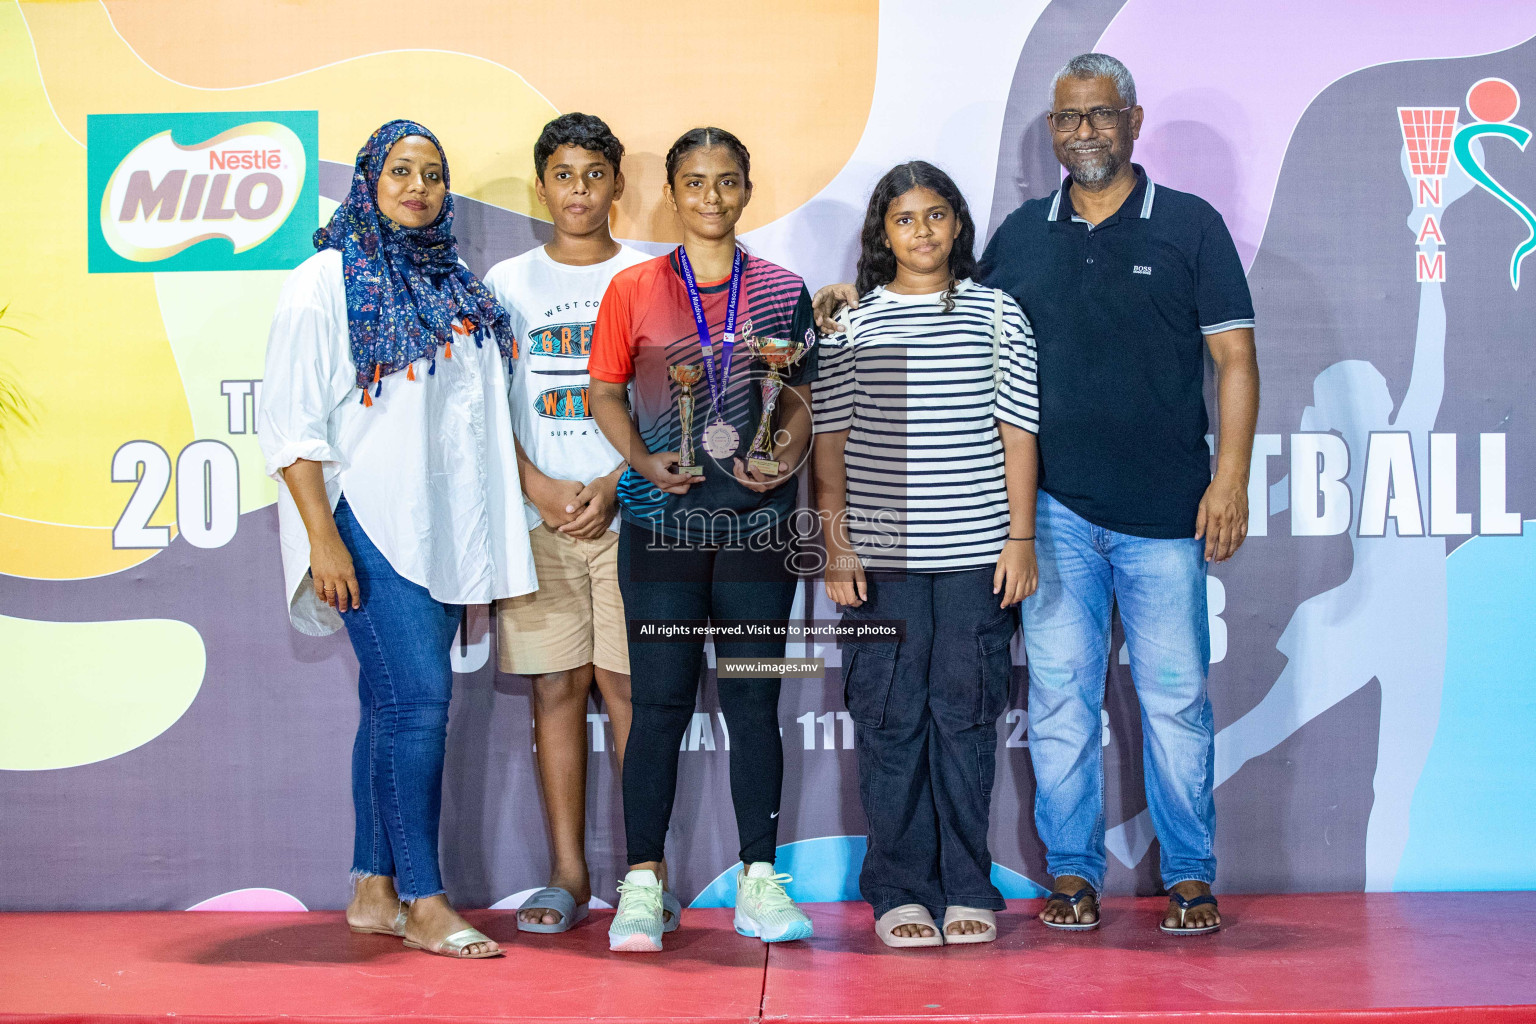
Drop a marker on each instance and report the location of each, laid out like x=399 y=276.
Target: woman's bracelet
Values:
x=1022 y=539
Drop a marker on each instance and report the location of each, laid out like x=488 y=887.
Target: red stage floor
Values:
x=1422 y=958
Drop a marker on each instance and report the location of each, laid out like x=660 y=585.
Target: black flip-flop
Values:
x=1072 y=901
x=1185 y=906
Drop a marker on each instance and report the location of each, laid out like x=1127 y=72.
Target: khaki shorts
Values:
x=575 y=618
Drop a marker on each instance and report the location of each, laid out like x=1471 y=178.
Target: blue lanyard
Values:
x=718 y=376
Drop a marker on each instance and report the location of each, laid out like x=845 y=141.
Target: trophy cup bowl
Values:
x=686 y=375
x=778 y=354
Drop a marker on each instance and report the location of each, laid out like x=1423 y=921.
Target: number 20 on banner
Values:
x=207 y=494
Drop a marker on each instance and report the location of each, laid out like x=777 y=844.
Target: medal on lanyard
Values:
x=720 y=438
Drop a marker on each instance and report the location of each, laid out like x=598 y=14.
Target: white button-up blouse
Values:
x=429 y=469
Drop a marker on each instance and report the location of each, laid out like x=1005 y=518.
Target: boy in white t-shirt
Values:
x=571 y=632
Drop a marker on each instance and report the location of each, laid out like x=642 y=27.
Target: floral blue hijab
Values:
x=407 y=292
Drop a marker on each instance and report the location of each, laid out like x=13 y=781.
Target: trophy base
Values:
x=690 y=470
x=767 y=467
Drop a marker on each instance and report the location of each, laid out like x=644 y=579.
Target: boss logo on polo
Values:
x=233 y=191
x=1140 y=269
x=564 y=341
x=562 y=404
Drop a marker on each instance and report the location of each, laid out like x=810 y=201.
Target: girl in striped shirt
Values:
x=925 y=466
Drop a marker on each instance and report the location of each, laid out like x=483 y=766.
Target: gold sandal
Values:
x=397 y=929
x=455 y=945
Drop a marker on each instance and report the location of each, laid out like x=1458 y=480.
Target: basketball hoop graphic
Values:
x=1427 y=132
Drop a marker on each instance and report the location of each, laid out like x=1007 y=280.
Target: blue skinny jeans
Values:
x=402 y=637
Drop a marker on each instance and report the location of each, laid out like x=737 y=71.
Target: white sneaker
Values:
x=637 y=924
x=764 y=909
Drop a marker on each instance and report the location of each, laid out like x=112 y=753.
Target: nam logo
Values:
x=570 y=341
x=562 y=404
x=229 y=191
x=1433 y=139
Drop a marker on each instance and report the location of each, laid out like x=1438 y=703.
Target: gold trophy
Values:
x=778 y=354
x=686 y=375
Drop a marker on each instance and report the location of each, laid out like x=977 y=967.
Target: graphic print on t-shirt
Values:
x=554 y=307
x=555 y=361
x=562 y=341
x=565 y=403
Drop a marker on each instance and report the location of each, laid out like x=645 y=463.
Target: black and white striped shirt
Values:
x=913 y=384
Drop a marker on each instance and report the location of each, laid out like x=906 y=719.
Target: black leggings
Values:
x=750 y=581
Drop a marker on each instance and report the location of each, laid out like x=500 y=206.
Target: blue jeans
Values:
x=925 y=718
x=1160 y=587
x=402 y=637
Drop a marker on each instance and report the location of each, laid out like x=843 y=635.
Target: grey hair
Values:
x=1096 y=65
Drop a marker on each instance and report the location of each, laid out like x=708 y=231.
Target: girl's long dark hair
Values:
x=877 y=263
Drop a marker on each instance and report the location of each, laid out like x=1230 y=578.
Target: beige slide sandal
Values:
x=907 y=913
x=986 y=917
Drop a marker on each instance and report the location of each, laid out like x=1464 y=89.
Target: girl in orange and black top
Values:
x=710 y=545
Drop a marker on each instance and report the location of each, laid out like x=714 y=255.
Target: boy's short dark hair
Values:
x=585 y=131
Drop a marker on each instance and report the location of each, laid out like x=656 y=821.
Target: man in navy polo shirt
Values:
x=1126 y=284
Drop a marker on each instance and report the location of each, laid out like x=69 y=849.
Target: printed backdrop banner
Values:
x=168 y=741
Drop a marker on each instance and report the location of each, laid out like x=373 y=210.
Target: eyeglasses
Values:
x=1099 y=118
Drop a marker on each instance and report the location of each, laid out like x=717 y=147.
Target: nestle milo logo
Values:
x=244 y=159
x=227 y=191
x=568 y=340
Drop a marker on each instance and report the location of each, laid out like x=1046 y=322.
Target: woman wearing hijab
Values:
x=384 y=420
